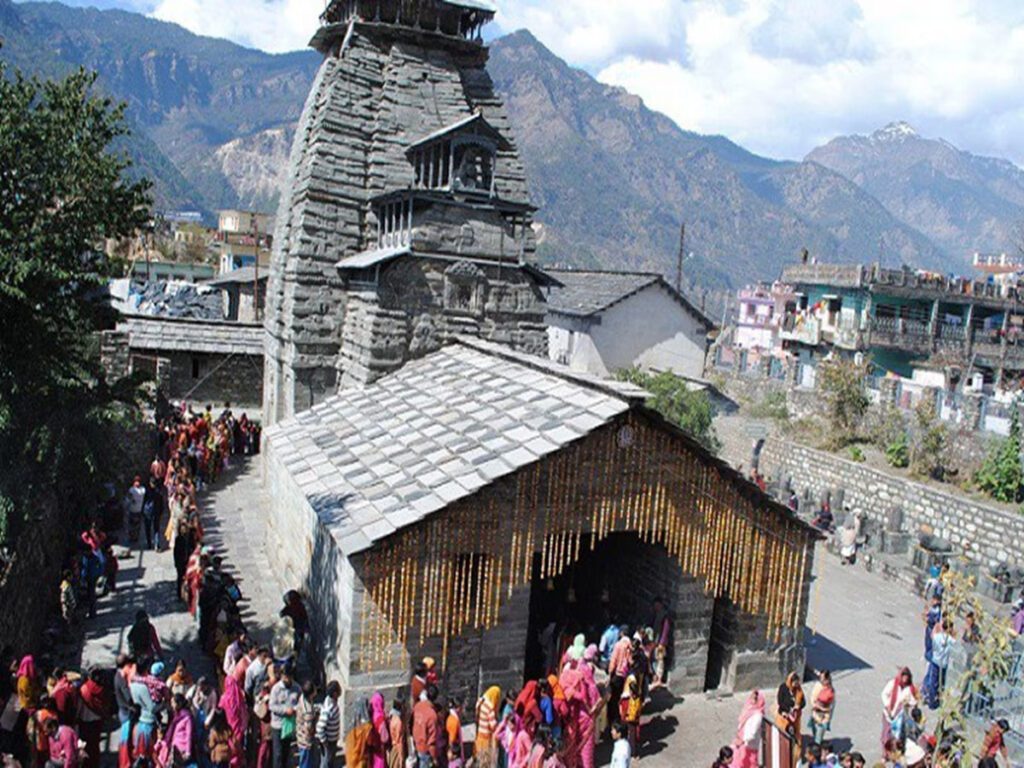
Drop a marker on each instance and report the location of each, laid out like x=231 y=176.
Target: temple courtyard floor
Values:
x=861 y=626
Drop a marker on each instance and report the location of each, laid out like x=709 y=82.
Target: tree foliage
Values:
x=1001 y=476
x=689 y=409
x=62 y=193
x=984 y=665
x=928 y=458
x=841 y=382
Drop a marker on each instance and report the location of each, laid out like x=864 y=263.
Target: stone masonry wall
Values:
x=989 y=535
x=370 y=99
x=238 y=379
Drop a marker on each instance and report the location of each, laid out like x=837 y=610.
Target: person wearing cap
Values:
x=995 y=744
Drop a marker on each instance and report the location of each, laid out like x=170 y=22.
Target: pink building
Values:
x=760 y=311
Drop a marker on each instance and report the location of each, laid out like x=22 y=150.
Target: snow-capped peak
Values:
x=897 y=131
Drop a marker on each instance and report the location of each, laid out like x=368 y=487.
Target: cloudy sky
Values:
x=778 y=76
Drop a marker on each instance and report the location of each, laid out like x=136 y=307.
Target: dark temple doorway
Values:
x=617 y=581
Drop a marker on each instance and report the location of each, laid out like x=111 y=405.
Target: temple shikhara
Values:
x=438 y=486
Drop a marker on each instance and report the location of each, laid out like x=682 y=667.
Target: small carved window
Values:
x=464 y=285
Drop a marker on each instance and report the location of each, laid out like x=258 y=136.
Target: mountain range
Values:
x=213 y=122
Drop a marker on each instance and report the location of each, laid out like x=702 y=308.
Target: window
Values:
x=195 y=367
x=474 y=168
x=464 y=164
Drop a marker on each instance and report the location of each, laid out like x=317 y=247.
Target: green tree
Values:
x=62 y=193
x=841 y=382
x=672 y=397
x=928 y=458
x=1001 y=476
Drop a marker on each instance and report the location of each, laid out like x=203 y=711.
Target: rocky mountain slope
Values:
x=962 y=202
x=205 y=105
x=613 y=179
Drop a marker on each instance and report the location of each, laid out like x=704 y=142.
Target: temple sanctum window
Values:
x=458 y=165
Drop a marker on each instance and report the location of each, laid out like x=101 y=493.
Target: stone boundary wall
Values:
x=988 y=535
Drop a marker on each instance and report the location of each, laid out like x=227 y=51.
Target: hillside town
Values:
x=386 y=475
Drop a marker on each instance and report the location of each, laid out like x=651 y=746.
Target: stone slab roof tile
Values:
x=376 y=459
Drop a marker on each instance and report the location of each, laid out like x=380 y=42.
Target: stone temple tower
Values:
x=406 y=217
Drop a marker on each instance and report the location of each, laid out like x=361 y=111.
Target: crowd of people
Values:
x=53 y=717
x=907 y=739
x=252 y=711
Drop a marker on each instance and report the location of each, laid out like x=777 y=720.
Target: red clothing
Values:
x=424 y=727
x=64 y=747
x=65 y=696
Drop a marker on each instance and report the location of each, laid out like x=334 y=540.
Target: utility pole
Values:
x=681 y=257
x=256 y=269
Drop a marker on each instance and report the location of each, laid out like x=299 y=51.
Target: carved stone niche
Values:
x=465 y=289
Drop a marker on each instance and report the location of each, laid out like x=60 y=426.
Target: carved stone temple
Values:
x=406 y=217
x=436 y=486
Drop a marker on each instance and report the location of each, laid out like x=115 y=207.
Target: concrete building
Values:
x=244 y=294
x=194 y=360
x=903 y=319
x=479 y=499
x=760 y=313
x=406 y=217
x=244 y=222
x=602 y=321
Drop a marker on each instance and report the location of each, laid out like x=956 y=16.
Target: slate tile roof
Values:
x=588 y=292
x=461 y=418
x=163 y=335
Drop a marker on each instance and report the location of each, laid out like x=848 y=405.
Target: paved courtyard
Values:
x=866 y=628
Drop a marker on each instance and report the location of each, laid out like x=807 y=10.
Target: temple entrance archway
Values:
x=618 y=581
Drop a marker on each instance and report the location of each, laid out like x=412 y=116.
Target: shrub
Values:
x=1001 y=476
x=856 y=454
x=897 y=453
x=841 y=383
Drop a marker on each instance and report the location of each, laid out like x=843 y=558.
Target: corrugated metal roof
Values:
x=373 y=460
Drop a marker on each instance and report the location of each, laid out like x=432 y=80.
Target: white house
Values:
x=601 y=321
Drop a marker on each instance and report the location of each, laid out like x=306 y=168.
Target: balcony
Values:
x=803 y=330
x=897 y=333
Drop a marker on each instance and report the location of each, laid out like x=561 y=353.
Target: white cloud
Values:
x=272 y=25
x=781 y=76
x=778 y=76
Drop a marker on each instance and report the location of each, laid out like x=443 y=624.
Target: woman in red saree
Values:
x=584 y=702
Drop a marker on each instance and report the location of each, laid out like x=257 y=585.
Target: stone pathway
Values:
x=230 y=515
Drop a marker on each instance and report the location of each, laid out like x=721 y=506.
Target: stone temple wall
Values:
x=346 y=622
x=990 y=536
x=368 y=103
x=416 y=310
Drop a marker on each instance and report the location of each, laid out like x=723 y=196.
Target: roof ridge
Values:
x=575 y=270
x=619 y=389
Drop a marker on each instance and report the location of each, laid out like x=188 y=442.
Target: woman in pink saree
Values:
x=237 y=714
x=584 y=702
x=379 y=722
x=747 y=744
